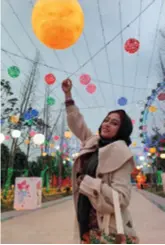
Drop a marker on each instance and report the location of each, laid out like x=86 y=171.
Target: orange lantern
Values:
x=27 y=142
x=152 y=150
x=14 y=119
x=152 y=109
x=51 y=145
x=68 y=134
x=134 y=144
x=58 y=24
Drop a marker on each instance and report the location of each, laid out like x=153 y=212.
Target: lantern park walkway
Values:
x=54 y=223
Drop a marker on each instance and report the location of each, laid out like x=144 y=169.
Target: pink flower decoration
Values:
x=32 y=133
x=91 y=88
x=85 y=79
x=23 y=185
x=7 y=137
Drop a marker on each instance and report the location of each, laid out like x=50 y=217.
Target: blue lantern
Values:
x=30 y=114
x=122 y=101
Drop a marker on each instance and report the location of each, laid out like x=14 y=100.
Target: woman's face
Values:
x=110 y=126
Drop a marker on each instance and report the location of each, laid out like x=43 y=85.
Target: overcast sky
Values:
x=136 y=66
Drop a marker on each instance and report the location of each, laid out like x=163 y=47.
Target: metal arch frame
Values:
x=143 y=120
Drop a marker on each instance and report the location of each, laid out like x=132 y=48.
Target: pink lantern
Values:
x=32 y=133
x=144 y=128
x=85 y=79
x=50 y=79
x=91 y=88
x=7 y=137
x=161 y=96
x=56 y=137
x=64 y=145
x=132 y=45
x=133 y=121
x=41 y=147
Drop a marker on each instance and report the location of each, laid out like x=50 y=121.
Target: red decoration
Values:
x=133 y=121
x=32 y=133
x=161 y=96
x=132 y=45
x=50 y=79
x=91 y=88
x=56 y=137
x=7 y=137
x=85 y=79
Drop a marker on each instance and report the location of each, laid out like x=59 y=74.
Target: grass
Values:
x=156 y=190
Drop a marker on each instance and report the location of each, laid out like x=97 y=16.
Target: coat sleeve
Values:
x=77 y=124
x=100 y=193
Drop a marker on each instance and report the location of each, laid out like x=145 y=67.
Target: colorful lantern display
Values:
x=152 y=150
x=132 y=45
x=2 y=138
x=152 y=109
x=58 y=24
x=16 y=133
x=13 y=71
x=68 y=134
x=85 y=79
x=50 y=100
x=14 y=119
x=161 y=96
x=50 y=79
x=122 y=101
x=91 y=88
x=56 y=137
x=32 y=133
x=28 y=115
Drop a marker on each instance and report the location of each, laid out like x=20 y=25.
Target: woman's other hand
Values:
x=67 y=86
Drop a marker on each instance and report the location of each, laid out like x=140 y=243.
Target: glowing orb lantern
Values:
x=122 y=101
x=51 y=145
x=27 y=142
x=14 y=119
x=2 y=138
x=152 y=150
x=68 y=134
x=50 y=101
x=161 y=96
x=58 y=24
x=30 y=114
x=32 y=133
x=132 y=45
x=56 y=137
x=152 y=109
x=162 y=155
x=133 y=121
x=85 y=79
x=91 y=88
x=39 y=139
x=7 y=137
x=13 y=71
x=16 y=134
x=134 y=144
x=50 y=79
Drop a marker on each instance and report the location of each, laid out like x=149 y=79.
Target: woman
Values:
x=104 y=162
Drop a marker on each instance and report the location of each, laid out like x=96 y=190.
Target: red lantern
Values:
x=56 y=137
x=161 y=96
x=50 y=79
x=91 y=88
x=133 y=121
x=85 y=79
x=132 y=45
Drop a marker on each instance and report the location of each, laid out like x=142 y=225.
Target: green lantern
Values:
x=13 y=71
x=50 y=101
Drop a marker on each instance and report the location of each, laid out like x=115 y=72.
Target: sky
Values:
x=131 y=75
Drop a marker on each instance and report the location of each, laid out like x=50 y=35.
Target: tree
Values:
x=4 y=162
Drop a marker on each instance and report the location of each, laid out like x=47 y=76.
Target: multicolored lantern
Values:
x=161 y=96
x=28 y=115
x=132 y=45
x=85 y=79
x=14 y=119
x=134 y=144
x=68 y=134
x=91 y=88
x=122 y=101
x=152 y=150
x=50 y=100
x=16 y=134
x=152 y=109
x=13 y=71
x=27 y=142
x=39 y=139
x=133 y=121
x=50 y=79
x=32 y=133
x=56 y=137
x=58 y=24
x=7 y=137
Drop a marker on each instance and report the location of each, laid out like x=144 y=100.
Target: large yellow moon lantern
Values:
x=58 y=23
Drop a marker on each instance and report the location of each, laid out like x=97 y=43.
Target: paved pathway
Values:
x=56 y=224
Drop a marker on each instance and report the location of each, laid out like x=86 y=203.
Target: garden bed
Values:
x=156 y=190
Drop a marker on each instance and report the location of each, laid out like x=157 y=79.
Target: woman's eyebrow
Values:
x=115 y=119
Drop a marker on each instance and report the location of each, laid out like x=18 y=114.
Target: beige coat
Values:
x=113 y=171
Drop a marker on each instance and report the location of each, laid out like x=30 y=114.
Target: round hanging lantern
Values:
x=133 y=121
x=134 y=144
x=16 y=133
x=122 y=101
x=58 y=24
x=39 y=139
x=14 y=119
x=85 y=79
x=152 y=150
x=132 y=45
x=91 y=88
x=68 y=134
x=2 y=138
x=13 y=71
x=7 y=137
x=64 y=145
x=162 y=155
x=50 y=79
x=152 y=109
x=56 y=137
x=41 y=147
x=50 y=101
x=161 y=96
x=27 y=142
x=51 y=145
x=28 y=115
x=32 y=133
x=44 y=154
x=53 y=154
x=141 y=158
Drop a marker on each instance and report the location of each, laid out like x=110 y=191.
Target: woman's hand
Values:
x=67 y=87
